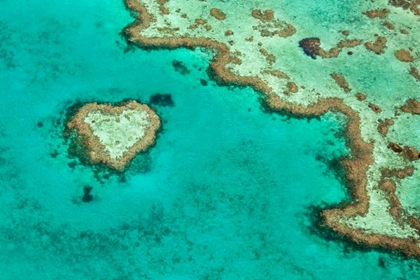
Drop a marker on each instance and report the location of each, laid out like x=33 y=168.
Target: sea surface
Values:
x=229 y=191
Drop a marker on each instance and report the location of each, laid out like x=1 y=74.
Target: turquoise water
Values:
x=229 y=191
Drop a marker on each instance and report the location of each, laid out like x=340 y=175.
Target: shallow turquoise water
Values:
x=228 y=192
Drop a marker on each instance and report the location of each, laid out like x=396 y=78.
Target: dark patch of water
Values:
x=162 y=99
x=180 y=67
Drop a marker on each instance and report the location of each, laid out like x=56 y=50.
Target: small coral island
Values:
x=113 y=135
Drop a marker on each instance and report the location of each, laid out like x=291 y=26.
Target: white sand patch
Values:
x=118 y=133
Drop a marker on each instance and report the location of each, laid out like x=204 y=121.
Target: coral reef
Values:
x=252 y=56
x=113 y=135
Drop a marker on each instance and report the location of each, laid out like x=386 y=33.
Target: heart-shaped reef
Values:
x=114 y=135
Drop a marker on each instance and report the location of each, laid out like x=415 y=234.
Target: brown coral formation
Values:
x=200 y=22
x=407 y=152
x=395 y=147
x=399 y=173
x=404 y=56
x=378 y=46
x=168 y=30
x=312 y=47
x=334 y=52
x=267 y=15
x=341 y=81
x=375 y=108
x=348 y=43
x=389 y=25
x=415 y=73
x=411 y=106
x=383 y=126
x=269 y=57
x=361 y=152
x=278 y=28
x=228 y=33
x=412 y=5
x=389 y=187
x=235 y=60
x=162 y=7
x=277 y=73
x=410 y=153
x=379 y=13
x=291 y=87
x=286 y=31
x=94 y=150
x=218 y=14
x=361 y=96
x=270 y=27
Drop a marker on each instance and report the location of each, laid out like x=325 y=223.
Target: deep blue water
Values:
x=229 y=191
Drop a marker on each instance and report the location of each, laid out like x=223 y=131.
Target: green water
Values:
x=229 y=191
